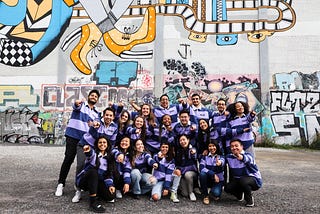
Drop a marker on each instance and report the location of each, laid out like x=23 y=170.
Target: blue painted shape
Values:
x=116 y=73
x=223 y=39
x=60 y=17
x=226 y=39
x=12 y=16
x=284 y=81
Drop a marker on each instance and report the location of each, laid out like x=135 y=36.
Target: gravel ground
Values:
x=29 y=175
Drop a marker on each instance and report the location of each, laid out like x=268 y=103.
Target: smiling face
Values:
x=166 y=120
x=236 y=147
x=221 y=105
x=108 y=117
x=139 y=147
x=164 y=148
x=138 y=122
x=145 y=110
x=212 y=148
x=203 y=125
x=93 y=98
x=196 y=100
x=239 y=108
x=125 y=143
x=102 y=145
x=164 y=102
x=184 y=119
x=124 y=117
x=184 y=141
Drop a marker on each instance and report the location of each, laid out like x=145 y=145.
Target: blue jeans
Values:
x=140 y=182
x=157 y=189
x=206 y=181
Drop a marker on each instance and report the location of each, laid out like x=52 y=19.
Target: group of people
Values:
x=170 y=149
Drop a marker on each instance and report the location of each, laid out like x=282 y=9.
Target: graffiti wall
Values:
x=53 y=52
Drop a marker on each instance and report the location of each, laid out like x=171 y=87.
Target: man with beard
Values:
x=83 y=115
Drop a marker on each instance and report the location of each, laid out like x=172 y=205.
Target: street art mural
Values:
x=30 y=36
x=294 y=108
x=113 y=46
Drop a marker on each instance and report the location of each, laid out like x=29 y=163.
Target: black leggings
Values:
x=91 y=182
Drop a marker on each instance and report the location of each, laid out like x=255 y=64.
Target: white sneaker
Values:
x=118 y=194
x=59 y=190
x=174 y=197
x=112 y=201
x=192 y=197
x=77 y=196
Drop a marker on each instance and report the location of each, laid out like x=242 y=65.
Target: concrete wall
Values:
x=263 y=52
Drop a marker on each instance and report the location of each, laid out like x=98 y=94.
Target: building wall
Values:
x=263 y=52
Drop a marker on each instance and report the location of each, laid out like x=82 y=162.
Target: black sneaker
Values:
x=250 y=202
x=97 y=208
x=136 y=196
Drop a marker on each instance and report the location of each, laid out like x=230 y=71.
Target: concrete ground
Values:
x=29 y=175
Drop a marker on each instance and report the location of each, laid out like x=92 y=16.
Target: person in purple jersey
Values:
x=122 y=152
x=240 y=125
x=211 y=172
x=98 y=174
x=172 y=110
x=246 y=176
x=141 y=181
x=219 y=121
x=156 y=135
x=203 y=138
x=137 y=130
x=106 y=127
x=123 y=123
x=197 y=109
x=163 y=174
x=83 y=114
x=186 y=167
x=185 y=127
x=146 y=111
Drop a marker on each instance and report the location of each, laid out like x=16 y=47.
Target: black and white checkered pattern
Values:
x=15 y=53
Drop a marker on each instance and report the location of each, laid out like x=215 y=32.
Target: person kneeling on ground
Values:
x=246 y=176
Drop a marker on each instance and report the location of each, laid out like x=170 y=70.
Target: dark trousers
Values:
x=245 y=185
x=91 y=182
x=69 y=155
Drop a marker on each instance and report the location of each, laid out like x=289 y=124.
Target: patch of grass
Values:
x=270 y=143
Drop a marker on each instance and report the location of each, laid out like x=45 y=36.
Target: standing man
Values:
x=199 y=111
x=83 y=114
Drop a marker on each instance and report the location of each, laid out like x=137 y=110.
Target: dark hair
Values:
x=236 y=139
x=94 y=91
x=109 y=109
x=170 y=154
x=221 y=99
x=129 y=150
x=108 y=151
x=164 y=95
x=97 y=150
x=195 y=95
x=203 y=137
x=216 y=143
x=232 y=108
x=183 y=111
